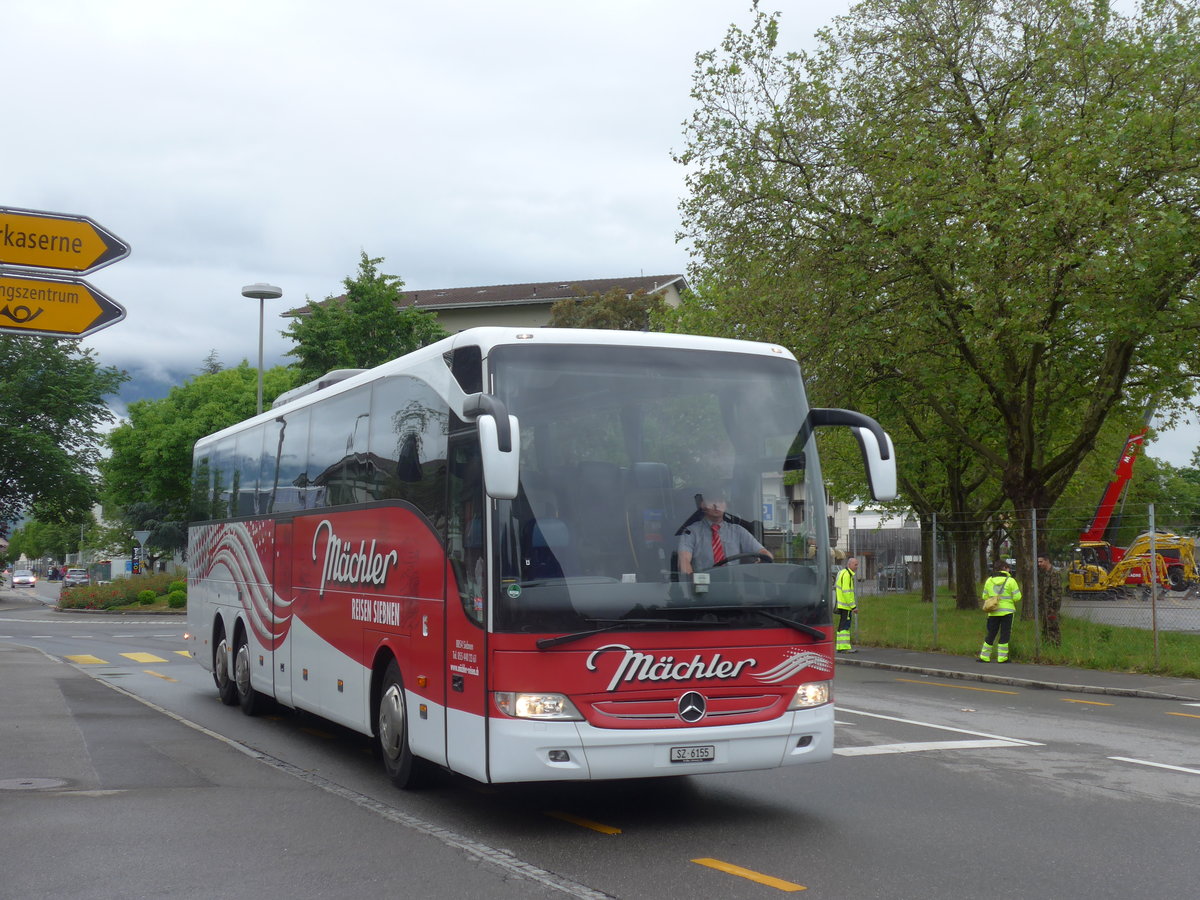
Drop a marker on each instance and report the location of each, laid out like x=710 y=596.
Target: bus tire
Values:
x=391 y=730
x=250 y=700
x=226 y=688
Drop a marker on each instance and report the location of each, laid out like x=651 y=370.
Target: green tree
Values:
x=38 y=539
x=212 y=364
x=618 y=309
x=985 y=208
x=52 y=406
x=365 y=327
x=147 y=475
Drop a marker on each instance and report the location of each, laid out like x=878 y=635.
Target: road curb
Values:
x=1013 y=681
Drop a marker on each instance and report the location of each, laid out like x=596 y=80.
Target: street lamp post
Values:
x=261 y=292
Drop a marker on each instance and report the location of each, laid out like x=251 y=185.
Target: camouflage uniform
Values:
x=1050 y=604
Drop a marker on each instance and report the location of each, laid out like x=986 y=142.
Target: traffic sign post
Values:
x=54 y=307
x=139 y=552
x=41 y=302
x=56 y=241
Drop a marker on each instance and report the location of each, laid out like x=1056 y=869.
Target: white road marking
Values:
x=922 y=746
x=978 y=734
x=1146 y=762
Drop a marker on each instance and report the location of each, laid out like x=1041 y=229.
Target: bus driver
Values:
x=711 y=540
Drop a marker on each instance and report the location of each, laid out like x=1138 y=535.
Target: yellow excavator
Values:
x=1093 y=568
x=1098 y=566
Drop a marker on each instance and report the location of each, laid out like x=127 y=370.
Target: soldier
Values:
x=1049 y=600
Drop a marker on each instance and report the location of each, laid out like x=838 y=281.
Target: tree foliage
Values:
x=147 y=476
x=52 y=406
x=365 y=327
x=618 y=309
x=981 y=211
x=36 y=539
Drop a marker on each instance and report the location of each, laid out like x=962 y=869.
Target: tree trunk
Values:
x=928 y=573
x=962 y=531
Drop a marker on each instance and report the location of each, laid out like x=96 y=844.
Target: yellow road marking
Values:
x=157 y=675
x=964 y=687
x=187 y=653
x=143 y=657
x=586 y=823
x=1088 y=702
x=768 y=880
x=1185 y=715
x=86 y=659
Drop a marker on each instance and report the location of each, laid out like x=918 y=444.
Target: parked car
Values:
x=24 y=578
x=75 y=576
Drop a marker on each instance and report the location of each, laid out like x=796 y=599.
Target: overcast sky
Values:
x=468 y=143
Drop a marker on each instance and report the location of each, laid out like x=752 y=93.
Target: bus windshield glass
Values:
x=630 y=455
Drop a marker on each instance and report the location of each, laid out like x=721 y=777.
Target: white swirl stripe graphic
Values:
x=796 y=662
x=233 y=548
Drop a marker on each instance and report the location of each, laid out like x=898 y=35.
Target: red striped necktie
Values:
x=718 y=547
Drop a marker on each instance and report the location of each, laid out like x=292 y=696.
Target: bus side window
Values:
x=408 y=446
x=466 y=547
x=289 y=486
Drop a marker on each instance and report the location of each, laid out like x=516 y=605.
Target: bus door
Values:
x=467 y=592
x=281 y=606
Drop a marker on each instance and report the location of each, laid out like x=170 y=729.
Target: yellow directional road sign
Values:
x=57 y=241
x=54 y=307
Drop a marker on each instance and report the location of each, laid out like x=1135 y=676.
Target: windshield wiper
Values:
x=791 y=623
x=783 y=620
x=617 y=625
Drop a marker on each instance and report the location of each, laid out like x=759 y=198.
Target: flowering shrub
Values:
x=119 y=593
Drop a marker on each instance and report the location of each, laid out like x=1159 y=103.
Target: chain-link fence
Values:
x=1136 y=569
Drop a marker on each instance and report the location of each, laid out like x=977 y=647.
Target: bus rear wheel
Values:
x=226 y=688
x=391 y=729
x=251 y=700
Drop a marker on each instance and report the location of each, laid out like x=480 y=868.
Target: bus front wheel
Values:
x=392 y=730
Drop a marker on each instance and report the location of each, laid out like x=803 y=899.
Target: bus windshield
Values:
x=621 y=448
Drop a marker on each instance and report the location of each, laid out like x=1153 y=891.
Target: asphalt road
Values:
x=942 y=787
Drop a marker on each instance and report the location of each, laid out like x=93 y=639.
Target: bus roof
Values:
x=488 y=337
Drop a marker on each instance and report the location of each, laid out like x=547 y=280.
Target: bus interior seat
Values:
x=649 y=518
x=598 y=518
x=549 y=553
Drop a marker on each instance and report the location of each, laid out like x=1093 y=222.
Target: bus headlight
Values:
x=809 y=694
x=546 y=707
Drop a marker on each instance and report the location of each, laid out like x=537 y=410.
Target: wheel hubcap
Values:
x=221 y=663
x=391 y=721
x=241 y=670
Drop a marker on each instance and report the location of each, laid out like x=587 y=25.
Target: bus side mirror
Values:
x=499 y=444
x=879 y=456
x=881 y=467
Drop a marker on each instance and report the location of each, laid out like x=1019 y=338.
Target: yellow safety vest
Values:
x=845 y=590
x=1007 y=592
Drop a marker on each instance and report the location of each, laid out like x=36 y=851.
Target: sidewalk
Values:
x=1056 y=678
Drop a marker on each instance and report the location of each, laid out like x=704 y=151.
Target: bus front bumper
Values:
x=523 y=750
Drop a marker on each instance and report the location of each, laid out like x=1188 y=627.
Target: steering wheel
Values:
x=757 y=557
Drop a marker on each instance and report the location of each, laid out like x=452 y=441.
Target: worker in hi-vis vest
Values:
x=846 y=604
x=1007 y=593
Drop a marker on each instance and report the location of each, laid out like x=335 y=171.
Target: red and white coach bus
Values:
x=468 y=553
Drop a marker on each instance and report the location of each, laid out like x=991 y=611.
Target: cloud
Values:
x=232 y=142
